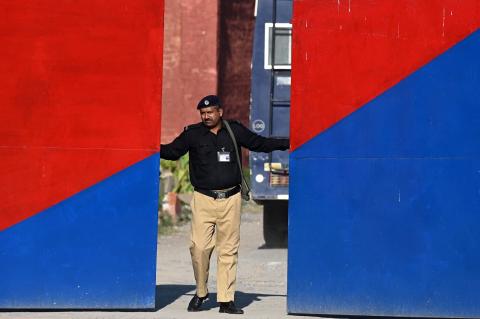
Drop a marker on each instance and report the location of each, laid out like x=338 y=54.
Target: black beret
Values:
x=209 y=100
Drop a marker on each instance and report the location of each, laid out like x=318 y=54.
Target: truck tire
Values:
x=275 y=223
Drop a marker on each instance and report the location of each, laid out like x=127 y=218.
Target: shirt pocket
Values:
x=205 y=153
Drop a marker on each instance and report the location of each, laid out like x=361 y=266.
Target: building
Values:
x=207 y=50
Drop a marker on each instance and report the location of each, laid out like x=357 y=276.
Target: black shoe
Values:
x=229 y=307
x=196 y=303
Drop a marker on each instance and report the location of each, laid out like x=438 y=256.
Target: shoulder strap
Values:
x=230 y=132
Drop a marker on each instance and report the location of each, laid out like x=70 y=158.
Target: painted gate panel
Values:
x=359 y=48
x=387 y=224
x=95 y=249
x=79 y=141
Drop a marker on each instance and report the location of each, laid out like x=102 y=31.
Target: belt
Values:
x=219 y=194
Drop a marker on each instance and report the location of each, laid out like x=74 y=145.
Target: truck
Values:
x=270 y=114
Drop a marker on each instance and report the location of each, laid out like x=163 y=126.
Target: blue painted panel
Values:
x=384 y=206
x=96 y=249
x=385 y=237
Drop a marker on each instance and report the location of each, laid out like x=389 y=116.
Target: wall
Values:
x=235 y=57
x=190 y=61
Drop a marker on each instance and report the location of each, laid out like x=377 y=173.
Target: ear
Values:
x=220 y=111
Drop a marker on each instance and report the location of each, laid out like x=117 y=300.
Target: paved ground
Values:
x=261 y=280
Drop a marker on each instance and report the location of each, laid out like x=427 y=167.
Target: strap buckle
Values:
x=221 y=195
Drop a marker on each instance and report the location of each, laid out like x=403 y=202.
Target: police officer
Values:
x=216 y=203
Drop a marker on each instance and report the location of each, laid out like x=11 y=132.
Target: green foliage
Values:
x=246 y=174
x=175 y=178
x=165 y=223
x=179 y=169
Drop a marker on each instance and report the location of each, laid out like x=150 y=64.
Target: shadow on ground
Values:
x=283 y=245
x=167 y=294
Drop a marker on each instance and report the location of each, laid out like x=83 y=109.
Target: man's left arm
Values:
x=258 y=143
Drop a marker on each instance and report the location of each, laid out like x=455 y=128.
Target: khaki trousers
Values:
x=219 y=217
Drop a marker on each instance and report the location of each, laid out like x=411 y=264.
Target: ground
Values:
x=261 y=280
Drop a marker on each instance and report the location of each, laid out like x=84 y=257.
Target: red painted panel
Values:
x=34 y=179
x=347 y=52
x=80 y=97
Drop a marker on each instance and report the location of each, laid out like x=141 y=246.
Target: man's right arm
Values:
x=257 y=143
x=176 y=149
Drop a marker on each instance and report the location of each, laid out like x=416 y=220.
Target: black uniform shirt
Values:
x=206 y=171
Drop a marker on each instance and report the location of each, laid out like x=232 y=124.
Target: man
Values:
x=216 y=203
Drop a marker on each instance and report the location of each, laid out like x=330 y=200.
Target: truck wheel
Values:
x=275 y=223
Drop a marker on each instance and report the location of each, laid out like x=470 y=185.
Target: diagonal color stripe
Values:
x=345 y=53
x=97 y=249
x=384 y=205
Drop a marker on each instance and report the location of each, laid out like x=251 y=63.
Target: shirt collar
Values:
x=206 y=130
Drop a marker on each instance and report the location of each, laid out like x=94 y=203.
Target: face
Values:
x=211 y=116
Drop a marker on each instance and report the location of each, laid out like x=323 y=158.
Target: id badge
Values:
x=223 y=156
